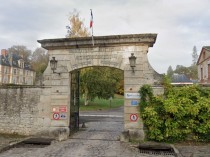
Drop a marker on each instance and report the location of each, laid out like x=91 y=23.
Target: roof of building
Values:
x=202 y=50
x=181 y=79
x=12 y=61
x=206 y=47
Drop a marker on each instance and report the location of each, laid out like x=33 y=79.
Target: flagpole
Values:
x=92 y=37
x=91 y=25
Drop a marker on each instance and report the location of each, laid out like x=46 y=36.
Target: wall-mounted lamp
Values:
x=53 y=65
x=132 y=60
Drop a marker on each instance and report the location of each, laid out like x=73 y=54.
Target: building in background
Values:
x=14 y=70
x=204 y=65
x=180 y=79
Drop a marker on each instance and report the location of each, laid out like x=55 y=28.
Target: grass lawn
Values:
x=102 y=104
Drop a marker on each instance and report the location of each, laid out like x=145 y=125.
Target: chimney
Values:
x=4 y=52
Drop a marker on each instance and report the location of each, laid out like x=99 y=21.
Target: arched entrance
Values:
x=112 y=51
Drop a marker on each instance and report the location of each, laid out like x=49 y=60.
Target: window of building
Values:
x=14 y=80
x=6 y=70
x=22 y=65
x=21 y=80
x=21 y=71
x=15 y=71
x=24 y=80
x=15 y=63
x=201 y=73
x=5 y=79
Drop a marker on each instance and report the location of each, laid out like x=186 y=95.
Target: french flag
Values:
x=91 y=19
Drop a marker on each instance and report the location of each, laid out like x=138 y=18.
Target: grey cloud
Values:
x=180 y=24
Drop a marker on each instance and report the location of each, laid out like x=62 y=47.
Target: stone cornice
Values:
x=113 y=40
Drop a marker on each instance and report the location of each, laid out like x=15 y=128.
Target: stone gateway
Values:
x=57 y=113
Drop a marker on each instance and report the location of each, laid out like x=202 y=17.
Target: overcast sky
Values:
x=180 y=24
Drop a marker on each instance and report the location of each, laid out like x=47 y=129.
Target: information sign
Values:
x=134 y=102
x=63 y=115
x=132 y=95
x=62 y=108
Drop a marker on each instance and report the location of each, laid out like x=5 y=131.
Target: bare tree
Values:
x=39 y=61
x=21 y=50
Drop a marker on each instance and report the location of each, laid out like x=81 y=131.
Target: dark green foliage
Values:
x=99 y=82
x=146 y=96
x=183 y=113
x=166 y=84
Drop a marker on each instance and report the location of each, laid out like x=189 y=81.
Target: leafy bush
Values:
x=183 y=113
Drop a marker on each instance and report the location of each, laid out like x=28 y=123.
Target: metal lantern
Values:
x=132 y=60
x=53 y=64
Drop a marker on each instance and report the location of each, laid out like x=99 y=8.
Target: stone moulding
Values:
x=113 y=40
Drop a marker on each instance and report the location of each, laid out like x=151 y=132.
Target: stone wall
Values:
x=20 y=110
x=158 y=90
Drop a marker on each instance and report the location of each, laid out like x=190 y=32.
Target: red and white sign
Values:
x=56 y=116
x=62 y=108
x=133 y=117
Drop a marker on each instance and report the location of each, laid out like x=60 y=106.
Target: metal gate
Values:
x=74 y=101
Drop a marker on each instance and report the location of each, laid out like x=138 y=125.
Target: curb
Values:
x=11 y=145
x=24 y=140
x=176 y=151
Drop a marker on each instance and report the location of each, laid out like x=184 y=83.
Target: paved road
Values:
x=100 y=138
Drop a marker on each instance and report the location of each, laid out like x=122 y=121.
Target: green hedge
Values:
x=182 y=113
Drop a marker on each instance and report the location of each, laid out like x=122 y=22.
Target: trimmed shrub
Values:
x=182 y=113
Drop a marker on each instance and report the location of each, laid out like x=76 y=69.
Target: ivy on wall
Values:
x=182 y=113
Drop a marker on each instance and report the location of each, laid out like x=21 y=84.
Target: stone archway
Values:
x=111 y=51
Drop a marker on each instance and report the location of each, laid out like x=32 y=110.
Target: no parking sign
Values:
x=133 y=117
x=56 y=116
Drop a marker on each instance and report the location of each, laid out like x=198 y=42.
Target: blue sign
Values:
x=63 y=115
x=134 y=102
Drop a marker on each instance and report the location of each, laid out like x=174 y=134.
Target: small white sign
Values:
x=132 y=95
